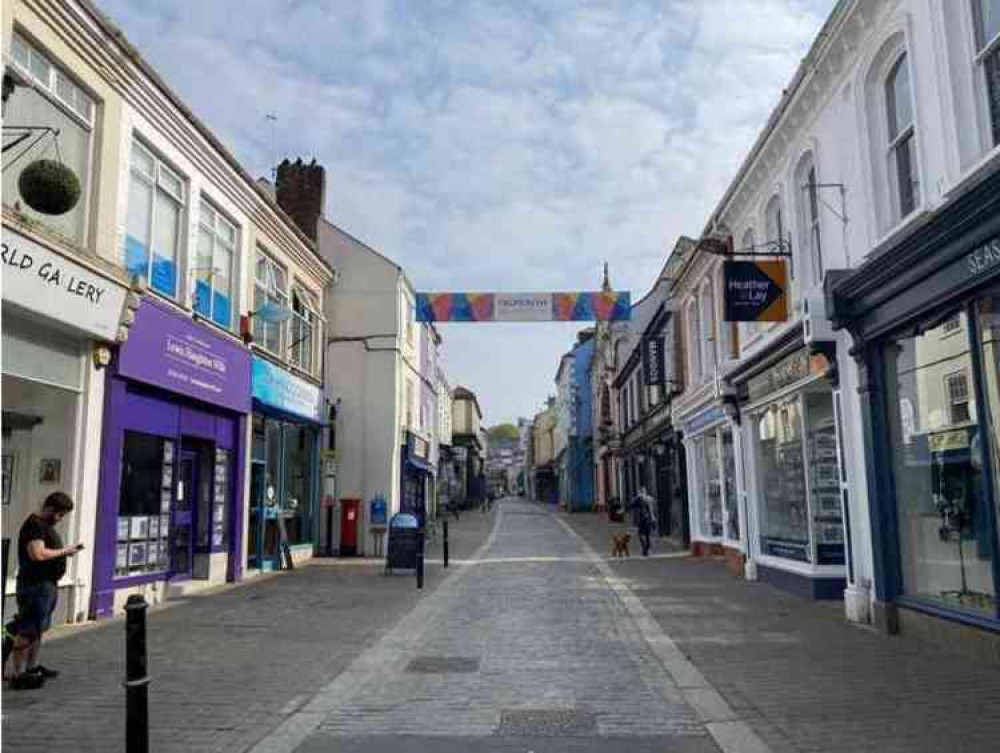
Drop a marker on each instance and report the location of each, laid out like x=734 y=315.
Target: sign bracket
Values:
x=779 y=247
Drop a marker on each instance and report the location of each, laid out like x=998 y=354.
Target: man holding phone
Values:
x=41 y=560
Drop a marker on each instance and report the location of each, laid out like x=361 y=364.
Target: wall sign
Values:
x=169 y=350
x=54 y=286
x=984 y=258
x=791 y=369
x=702 y=420
x=283 y=390
x=653 y=364
x=755 y=291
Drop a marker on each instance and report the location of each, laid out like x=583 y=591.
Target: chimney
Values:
x=301 y=192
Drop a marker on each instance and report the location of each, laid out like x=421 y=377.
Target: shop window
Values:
x=145 y=500
x=270 y=288
x=299 y=448
x=213 y=271
x=153 y=233
x=902 y=144
x=781 y=479
x=732 y=511
x=305 y=322
x=986 y=18
x=709 y=467
x=946 y=540
x=55 y=100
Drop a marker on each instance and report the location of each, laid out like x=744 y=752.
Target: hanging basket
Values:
x=49 y=187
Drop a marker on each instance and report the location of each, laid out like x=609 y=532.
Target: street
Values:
x=532 y=641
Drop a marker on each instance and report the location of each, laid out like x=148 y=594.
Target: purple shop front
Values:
x=173 y=459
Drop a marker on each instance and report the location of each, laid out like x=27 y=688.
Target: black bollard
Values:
x=136 y=679
x=445 y=541
x=420 y=558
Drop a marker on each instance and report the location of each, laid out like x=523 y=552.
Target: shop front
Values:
x=285 y=468
x=60 y=319
x=711 y=460
x=793 y=474
x=929 y=356
x=170 y=515
x=417 y=476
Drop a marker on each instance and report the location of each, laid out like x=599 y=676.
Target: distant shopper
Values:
x=645 y=519
x=41 y=560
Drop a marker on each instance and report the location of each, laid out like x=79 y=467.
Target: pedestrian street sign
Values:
x=756 y=291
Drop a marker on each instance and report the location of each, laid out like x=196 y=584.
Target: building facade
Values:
x=469 y=447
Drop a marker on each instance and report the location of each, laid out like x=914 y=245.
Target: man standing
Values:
x=41 y=560
x=645 y=519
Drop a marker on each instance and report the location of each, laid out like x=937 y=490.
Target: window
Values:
x=409 y=404
x=409 y=321
x=153 y=225
x=305 y=324
x=694 y=342
x=708 y=358
x=957 y=390
x=270 y=288
x=774 y=229
x=213 y=270
x=809 y=221
x=986 y=17
x=902 y=139
x=56 y=101
x=145 y=500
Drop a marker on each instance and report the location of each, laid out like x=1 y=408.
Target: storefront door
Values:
x=182 y=518
x=258 y=471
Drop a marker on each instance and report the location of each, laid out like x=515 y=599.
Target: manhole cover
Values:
x=547 y=723
x=430 y=665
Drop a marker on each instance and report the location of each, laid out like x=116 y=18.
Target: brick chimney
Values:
x=301 y=192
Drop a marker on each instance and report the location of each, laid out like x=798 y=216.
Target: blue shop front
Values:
x=925 y=318
x=285 y=467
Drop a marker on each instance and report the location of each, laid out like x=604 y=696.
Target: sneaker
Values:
x=27 y=681
x=48 y=674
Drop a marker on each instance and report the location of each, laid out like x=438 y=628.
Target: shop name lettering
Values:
x=198 y=358
x=985 y=257
x=750 y=291
x=526 y=303
x=50 y=273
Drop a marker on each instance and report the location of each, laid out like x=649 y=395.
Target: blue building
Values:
x=574 y=426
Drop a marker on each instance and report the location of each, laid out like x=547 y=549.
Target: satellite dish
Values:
x=273 y=312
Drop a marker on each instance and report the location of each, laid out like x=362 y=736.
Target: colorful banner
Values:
x=608 y=306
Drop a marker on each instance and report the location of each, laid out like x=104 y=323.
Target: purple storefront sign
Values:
x=201 y=382
x=171 y=351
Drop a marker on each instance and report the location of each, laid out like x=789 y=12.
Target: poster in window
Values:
x=164 y=552
x=140 y=527
x=50 y=471
x=8 y=476
x=164 y=526
x=154 y=526
x=168 y=476
x=123 y=529
x=217 y=535
x=165 y=498
x=152 y=555
x=121 y=558
x=137 y=554
x=168 y=453
x=220 y=513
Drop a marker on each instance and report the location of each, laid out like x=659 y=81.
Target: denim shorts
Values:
x=35 y=604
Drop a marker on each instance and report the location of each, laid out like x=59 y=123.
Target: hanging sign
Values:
x=653 y=365
x=602 y=306
x=756 y=291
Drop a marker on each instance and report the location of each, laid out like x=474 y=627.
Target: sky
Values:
x=507 y=146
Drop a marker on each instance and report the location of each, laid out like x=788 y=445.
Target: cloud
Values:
x=493 y=145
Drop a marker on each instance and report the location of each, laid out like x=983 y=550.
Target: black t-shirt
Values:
x=35 y=528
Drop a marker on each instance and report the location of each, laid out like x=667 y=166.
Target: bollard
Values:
x=445 y=541
x=136 y=679
x=420 y=558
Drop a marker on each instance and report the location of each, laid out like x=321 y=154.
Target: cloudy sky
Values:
x=487 y=145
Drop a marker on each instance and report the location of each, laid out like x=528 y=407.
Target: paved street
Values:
x=533 y=641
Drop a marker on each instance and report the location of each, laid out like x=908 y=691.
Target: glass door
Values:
x=182 y=516
x=988 y=315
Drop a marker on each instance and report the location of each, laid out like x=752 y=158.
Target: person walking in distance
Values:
x=41 y=560
x=645 y=519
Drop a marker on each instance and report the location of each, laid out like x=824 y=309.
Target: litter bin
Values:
x=404 y=541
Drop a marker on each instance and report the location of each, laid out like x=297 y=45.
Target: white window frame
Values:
x=158 y=182
x=308 y=317
x=706 y=310
x=983 y=50
x=905 y=138
x=219 y=221
x=694 y=341
x=776 y=229
x=271 y=290
x=809 y=214
x=959 y=375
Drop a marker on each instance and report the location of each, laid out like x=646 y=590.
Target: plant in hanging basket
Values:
x=49 y=187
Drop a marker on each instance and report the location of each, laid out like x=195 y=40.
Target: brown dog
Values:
x=620 y=544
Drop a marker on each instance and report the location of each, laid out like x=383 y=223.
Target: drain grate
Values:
x=547 y=723
x=442 y=665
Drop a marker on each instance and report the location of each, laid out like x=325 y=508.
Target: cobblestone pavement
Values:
x=806 y=680
x=227 y=667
